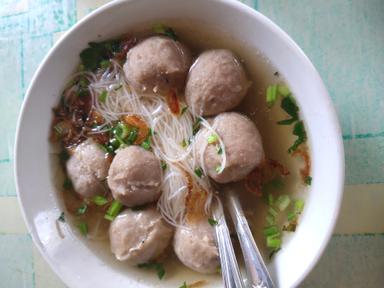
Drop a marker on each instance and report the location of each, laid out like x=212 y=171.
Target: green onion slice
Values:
x=283 y=202
x=82 y=209
x=103 y=96
x=271 y=95
x=212 y=139
x=271 y=230
x=273 y=242
x=113 y=210
x=212 y=222
x=100 y=200
x=157 y=266
x=83 y=228
x=299 y=206
x=199 y=172
x=283 y=90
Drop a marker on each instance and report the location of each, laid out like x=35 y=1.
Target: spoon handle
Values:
x=230 y=269
x=258 y=275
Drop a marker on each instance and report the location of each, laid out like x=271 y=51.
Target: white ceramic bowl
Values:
x=70 y=258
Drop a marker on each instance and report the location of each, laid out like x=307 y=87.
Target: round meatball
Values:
x=135 y=176
x=216 y=83
x=139 y=236
x=243 y=147
x=195 y=246
x=86 y=168
x=157 y=64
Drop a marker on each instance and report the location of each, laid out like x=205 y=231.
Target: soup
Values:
x=151 y=120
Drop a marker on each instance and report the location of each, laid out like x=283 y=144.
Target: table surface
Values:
x=345 y=41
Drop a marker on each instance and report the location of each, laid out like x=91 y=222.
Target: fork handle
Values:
x=258 y=276
x=230 y=269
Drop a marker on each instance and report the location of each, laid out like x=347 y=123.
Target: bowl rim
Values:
x=233 y=4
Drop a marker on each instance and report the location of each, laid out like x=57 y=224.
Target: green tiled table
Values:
x=345 y=41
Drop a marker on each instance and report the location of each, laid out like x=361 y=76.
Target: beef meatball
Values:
x=86 y=168
x=139 y=236
x=216 y=83
x=157 y=64
x=243 y=147
x=135 y=176
x=195 y=246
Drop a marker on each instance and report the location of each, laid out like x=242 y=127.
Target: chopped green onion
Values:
x=299 y=206
x=273 y=252
x=67 y=185
x=150 y=132
x=212 y=139
x=63 y=156
x=146 y=144
x=113 y=210
x=167 y=31
x=283 y=202
x=271 y=200
x=132 y=136
x=271 y=230
x=288 y=104
x=291 y=216
x=114 y=143
x=287 y=121
x=218 y=169
x=122 y=130
x=212 y=222
x=308 y=180
x=199 y=172
x=196 y=126
x=163 y=165
x=270 y=219
x=185 y=284
x=104 y=64
x=273 y=242
x=61 y=217
x=185 y=108
x=271 y=95
x=218 y=269
x=272 y=211
x=157 y=266
x=299 y=131
x=82 y=209
x=291 y=227
x=100 y=200
x=283 y=90
x=83 y=228
x=183 y=143
x=58 y=129
x=219 y=150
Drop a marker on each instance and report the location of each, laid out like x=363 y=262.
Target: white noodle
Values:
x=170 y=131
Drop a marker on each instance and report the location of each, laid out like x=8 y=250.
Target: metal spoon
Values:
x=258 y=275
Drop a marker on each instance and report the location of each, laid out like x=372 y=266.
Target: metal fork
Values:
x=229 y=268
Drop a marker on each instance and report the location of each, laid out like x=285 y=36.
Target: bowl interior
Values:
x=72 y=259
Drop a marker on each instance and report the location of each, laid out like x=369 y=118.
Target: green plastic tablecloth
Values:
x=345 y=41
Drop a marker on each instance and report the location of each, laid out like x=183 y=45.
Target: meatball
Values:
x=157 y=64
x=139 y=236
x=86 y=168
x=135 y=176
x=243 y=147
x=195 y=246
x=216 y=83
